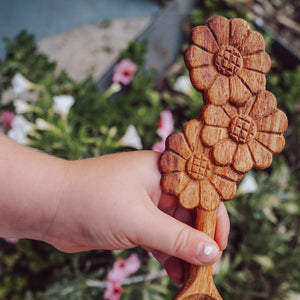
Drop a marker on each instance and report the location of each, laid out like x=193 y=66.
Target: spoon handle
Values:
x=199 y=284
x=206 y=221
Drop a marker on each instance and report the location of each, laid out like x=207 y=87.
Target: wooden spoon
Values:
x=200 y=284
x=240 y=127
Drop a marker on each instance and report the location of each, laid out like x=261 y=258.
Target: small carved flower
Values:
x=227 y=61
x=245 y=137
x=189 y=174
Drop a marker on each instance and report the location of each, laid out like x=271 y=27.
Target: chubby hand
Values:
x=115 y=202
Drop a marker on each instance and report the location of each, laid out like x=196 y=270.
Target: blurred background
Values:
x=72 y=52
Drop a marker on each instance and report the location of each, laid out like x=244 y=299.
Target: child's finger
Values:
x=223 y=227
x=175 y=238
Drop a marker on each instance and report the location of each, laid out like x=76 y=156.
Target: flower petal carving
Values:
x=225 y=187
x=212 y=135
x=224 y=157
x=203 y=77
x=262 y=157
x=240 y=126
x=255 y=81
x=174 y=183
x=227 y=61
x=219 y=92
x=228 y=172
x=242 y=160
x=247 y=136
x=203 y=37
x=239 y=92
x=239 y=30
x=191 y=174
x=260 y=62
x=176 y=139
x=230 y=110
x=196 y=57
x=220 y=28
x=254 y=43
x=264 y=104
x=171 y=162
x=189 y=197
x=192 y=133
x=209 y=198
x=215 y=115
x=276 y=122
x=274 y=142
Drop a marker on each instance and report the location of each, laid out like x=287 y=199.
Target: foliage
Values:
x=226 y=8
x=97 y=121
x=262 y=259
x=93 y=126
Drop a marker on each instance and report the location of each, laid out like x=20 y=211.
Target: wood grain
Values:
x=239 y=128
x=194 y=287
x=227 y=61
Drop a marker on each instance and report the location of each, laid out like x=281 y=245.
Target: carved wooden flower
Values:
x=189 y=174
x=245 y=137
x=227 y=61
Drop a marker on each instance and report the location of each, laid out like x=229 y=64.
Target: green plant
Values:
x=262 y=258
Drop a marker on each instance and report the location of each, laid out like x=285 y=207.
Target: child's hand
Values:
x=108 y=202
x=115 y=202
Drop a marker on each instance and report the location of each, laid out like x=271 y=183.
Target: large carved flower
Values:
x=227 y=61
x=245 y=137
x=189 y=174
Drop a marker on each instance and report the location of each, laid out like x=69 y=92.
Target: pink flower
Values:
x=124 y=71
x=165 y=125
x=6 y=118
x=159 y=146
x=121 y=270
x=113 y=290
x=11 y=240
x=165 y=128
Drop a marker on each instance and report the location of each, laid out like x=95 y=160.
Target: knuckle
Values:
x=181 y=242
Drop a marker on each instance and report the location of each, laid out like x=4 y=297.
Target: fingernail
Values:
x=207 y=252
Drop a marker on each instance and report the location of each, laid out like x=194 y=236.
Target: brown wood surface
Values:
x=194 y=288
x=240 y=128
x=227 y=61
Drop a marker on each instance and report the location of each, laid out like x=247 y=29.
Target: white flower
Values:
x=115 y=88
x=183 y=85
x=248 y=184
x=112 y=132
x=18 y=136
x=62 y=104
x=20 y=84
x=19 y=122
x=41 y=124
x=21 y=106
x=293 y=296
x=9 y=95
x=20 y=128
x=131 y=138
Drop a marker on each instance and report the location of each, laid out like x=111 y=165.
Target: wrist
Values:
x=29 y=182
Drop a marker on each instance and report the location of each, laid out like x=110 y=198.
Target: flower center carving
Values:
x=228 y=60
x=198 y=166
x=242 y=129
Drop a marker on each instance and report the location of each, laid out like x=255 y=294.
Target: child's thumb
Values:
x=162 y=232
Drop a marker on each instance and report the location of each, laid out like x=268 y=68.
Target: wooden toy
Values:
x=239 y=128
